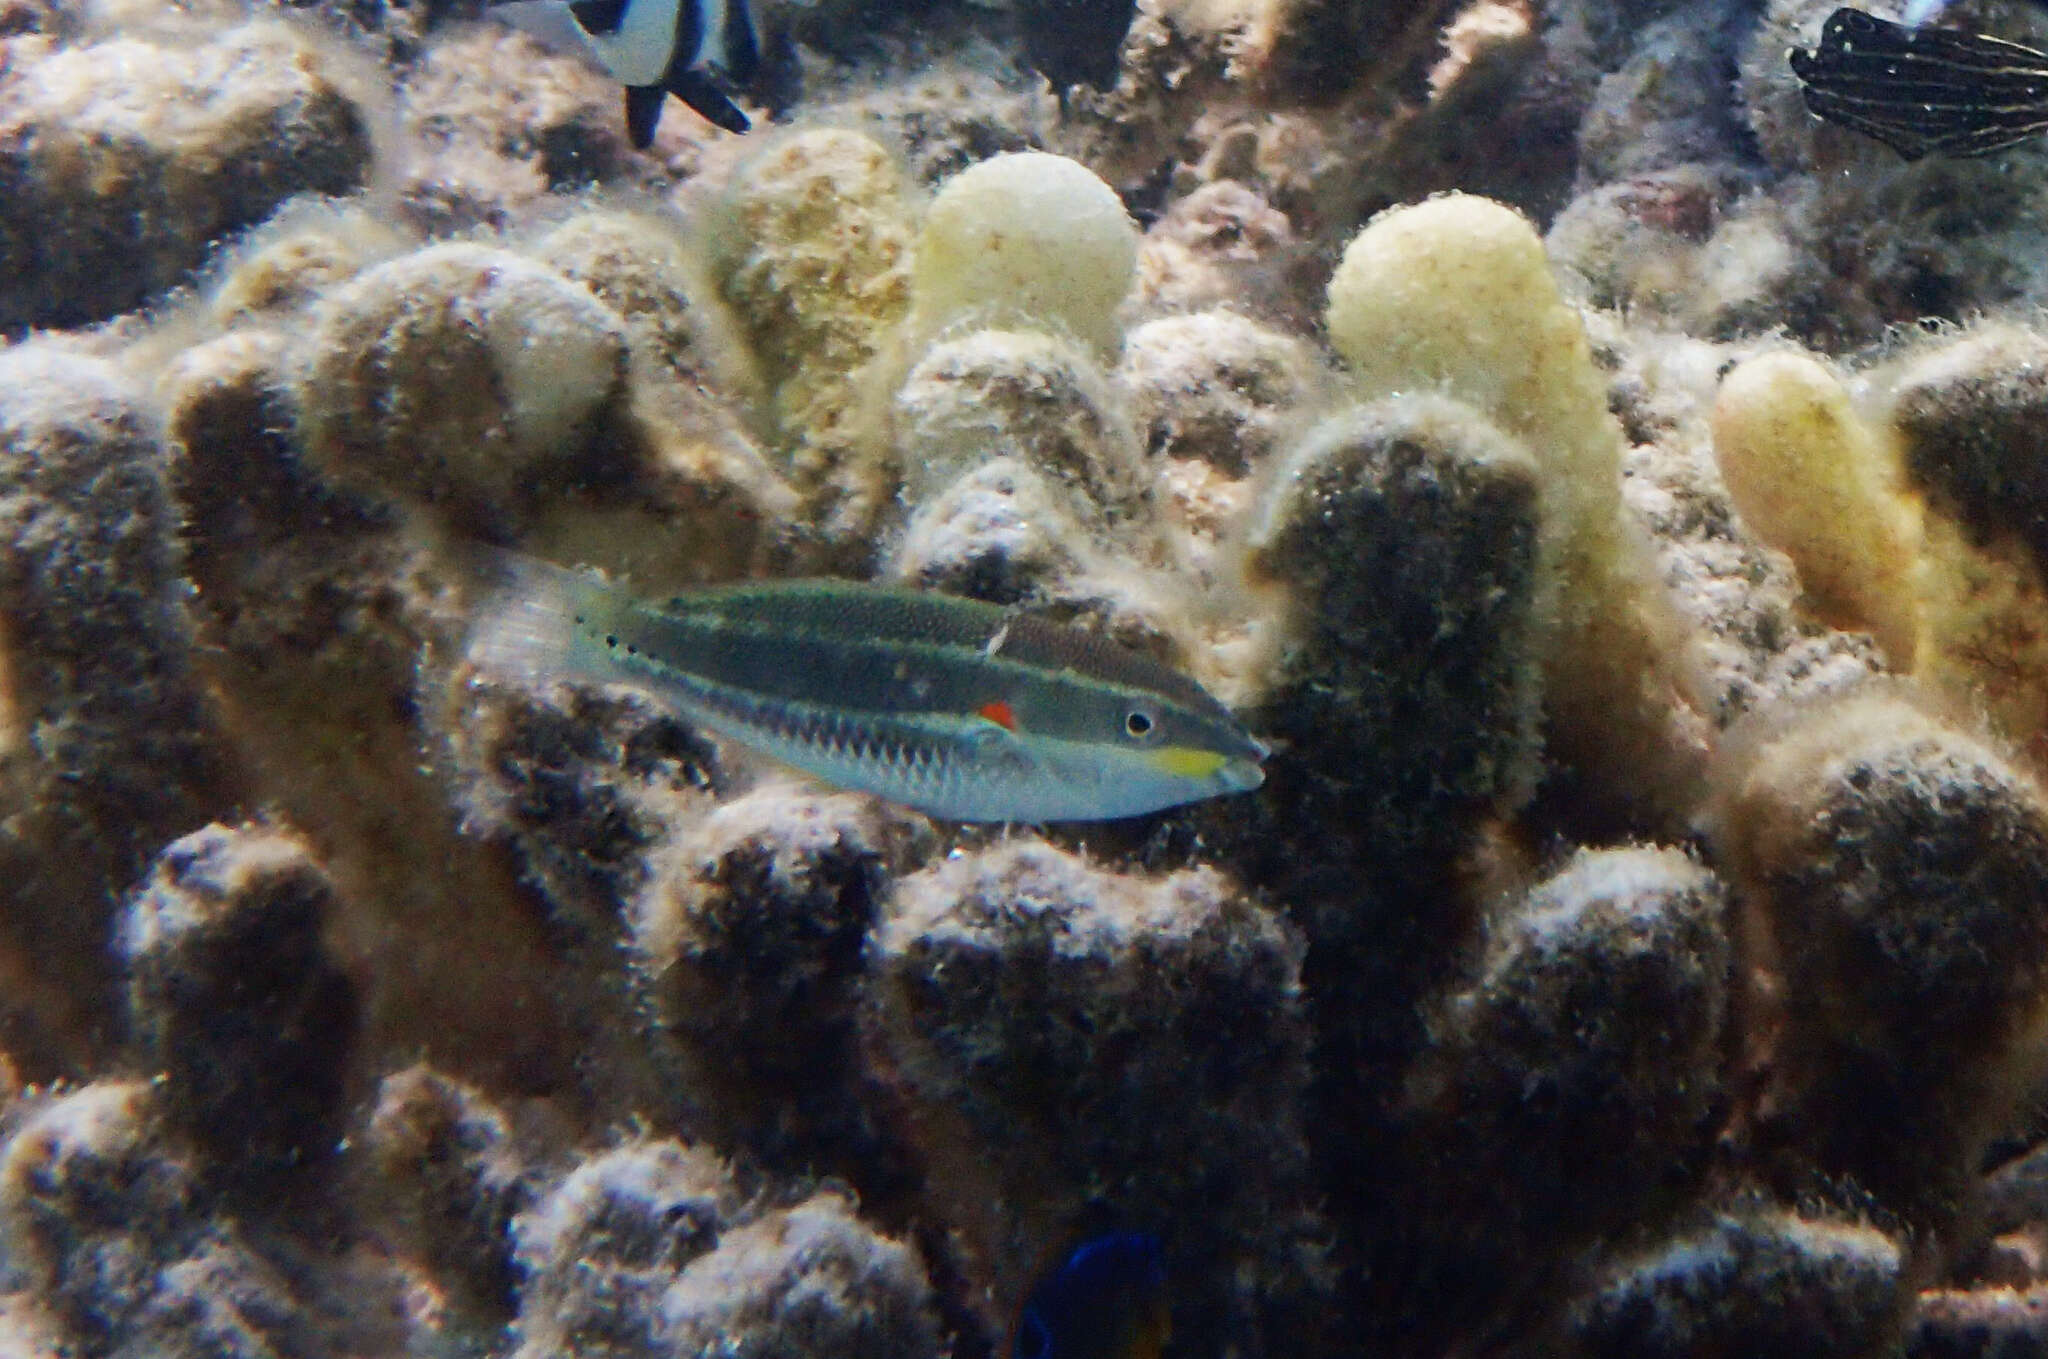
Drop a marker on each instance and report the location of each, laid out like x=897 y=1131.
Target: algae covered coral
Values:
x=1611 y=492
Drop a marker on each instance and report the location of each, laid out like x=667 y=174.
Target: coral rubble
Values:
x=111 y=746
x=1892 y=864
x=123 y=162
x=233 y=998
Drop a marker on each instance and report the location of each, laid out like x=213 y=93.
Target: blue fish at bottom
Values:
x=1106 y=1300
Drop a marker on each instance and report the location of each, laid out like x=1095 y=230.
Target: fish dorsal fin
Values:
x=599 y=16
x=643 y=113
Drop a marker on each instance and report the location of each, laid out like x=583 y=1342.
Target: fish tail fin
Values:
x=538 y=622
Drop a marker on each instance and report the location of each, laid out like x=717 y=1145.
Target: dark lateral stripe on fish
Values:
x=763 y=677
x=910 y=748
x=860 y=646
x=785 y=666
x=1924 y=90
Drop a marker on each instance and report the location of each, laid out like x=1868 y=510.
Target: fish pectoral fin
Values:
x=996 y=746
x=701 y=93
x=643 y=113
x=987 y=734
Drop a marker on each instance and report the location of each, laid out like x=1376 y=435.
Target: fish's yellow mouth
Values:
x=1188 y=762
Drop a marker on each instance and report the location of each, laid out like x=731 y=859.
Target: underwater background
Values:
x=1617 y=497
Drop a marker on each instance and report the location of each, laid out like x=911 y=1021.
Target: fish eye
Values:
x=1140 y=724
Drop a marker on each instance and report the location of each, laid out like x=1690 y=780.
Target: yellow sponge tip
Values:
x=1031 y=235
x=1471 y=269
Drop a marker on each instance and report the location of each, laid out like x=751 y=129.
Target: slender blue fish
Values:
x=960 y=709
x=1106 y=1300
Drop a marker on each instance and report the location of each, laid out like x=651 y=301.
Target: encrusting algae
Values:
x=1524 y=558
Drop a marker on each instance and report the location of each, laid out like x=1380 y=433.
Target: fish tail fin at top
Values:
x=538 y=621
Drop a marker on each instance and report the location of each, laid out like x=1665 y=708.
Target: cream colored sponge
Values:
x=1458 y=289
x=1455 y=295
x=1028 y=235
x=1817 y=482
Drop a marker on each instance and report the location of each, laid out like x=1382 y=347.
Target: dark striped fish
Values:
x=1924 y=90
x=958 y=708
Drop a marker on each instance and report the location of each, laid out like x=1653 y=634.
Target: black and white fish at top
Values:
x=1924 y=91
x=654 y=48
x=1075 y=42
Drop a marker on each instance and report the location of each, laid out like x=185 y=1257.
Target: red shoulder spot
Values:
x=998 y=712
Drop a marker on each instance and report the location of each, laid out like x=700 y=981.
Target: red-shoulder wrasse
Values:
x=964 y=710
x=1106 y=1300
x=1924 y=90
